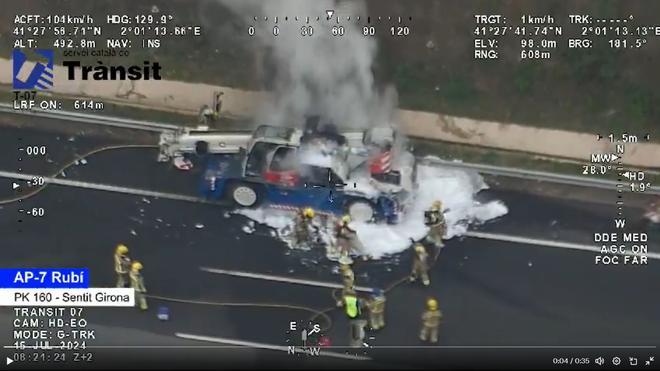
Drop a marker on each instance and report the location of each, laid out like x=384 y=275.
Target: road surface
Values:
x=492 y=293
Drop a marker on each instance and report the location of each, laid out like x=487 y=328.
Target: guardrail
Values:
x=92 y=119
x=534 y=175
x=481 y=168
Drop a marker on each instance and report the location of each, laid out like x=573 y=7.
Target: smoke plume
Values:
x=322 y=74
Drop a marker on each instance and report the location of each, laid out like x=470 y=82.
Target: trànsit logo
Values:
x=27 y=76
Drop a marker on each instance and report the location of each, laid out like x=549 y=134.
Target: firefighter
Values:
x=122 y=265
x=137 y=283
x=347 y=237
x=435 y=220
x=352 y=307
x=376 y=307
x=431 y=319
x=348 y=280
x=302 y=226
x=347 y=275
x=211 y=114
x=420 y=265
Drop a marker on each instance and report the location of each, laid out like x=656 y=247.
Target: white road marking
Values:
x=548 y=243
x=178 y=197
x=251 y=344
x=104 y=187
x=295 y=281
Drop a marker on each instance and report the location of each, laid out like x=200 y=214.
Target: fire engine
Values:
x=366 y=174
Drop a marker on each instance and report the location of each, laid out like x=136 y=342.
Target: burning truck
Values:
x=367 y=174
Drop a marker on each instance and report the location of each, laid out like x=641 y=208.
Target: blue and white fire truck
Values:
x=363 y=174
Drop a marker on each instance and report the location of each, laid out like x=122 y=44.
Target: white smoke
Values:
x=322 y=74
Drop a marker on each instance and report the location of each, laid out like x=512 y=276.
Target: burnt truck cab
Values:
x=281 y=168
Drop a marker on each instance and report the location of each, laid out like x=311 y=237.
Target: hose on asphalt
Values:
x=40 y=188
x=317 y=313
x=387 y=289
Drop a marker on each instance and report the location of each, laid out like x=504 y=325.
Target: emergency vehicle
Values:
x=363 y=174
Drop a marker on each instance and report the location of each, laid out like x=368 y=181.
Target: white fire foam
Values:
x=455 y=188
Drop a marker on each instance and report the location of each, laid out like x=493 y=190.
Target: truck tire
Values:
x=360 y=211
x=245 y=194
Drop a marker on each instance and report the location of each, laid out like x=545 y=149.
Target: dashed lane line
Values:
x=104 y=187
x=295 y=281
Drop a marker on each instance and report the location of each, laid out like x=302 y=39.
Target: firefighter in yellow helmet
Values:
x=137 y=283
x=420 y=265
x=376 y=307
x=348 y=281
x=347 y=238
x=347 y=275
x=431 y=319
x=302 y=226
x=434 y=218
x=122 y=265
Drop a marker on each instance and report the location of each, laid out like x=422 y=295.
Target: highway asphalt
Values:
x=491 y=293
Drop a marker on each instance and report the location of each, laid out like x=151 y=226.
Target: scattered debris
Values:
x=182 y=163
x=247 y=229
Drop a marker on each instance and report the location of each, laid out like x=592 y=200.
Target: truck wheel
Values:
x=245 y=195
x=360 y=211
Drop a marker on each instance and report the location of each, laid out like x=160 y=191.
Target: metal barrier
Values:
x=481 y=168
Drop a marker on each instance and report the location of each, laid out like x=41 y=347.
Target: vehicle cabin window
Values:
x=256 y=161
x=284 y=159
x=320 y=176
x=266 y=131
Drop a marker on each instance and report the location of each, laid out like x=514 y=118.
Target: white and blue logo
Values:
x=40 y=76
